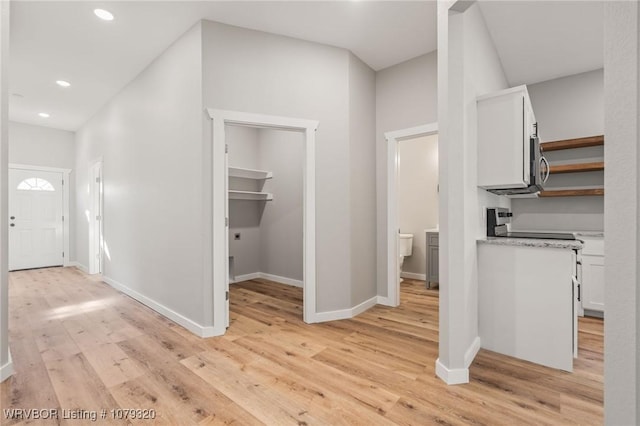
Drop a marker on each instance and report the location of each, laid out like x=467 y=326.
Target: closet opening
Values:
x=264 y=215
x=265 y=221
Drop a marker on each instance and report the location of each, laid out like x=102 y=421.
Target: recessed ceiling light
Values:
x=103 y=14
x=63 y=83
x=44 y=115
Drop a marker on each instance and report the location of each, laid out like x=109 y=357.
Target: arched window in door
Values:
x=35 y=184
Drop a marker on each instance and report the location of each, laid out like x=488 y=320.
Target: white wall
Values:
x=6 y=367
x=568 y=107
x=406 y=96
x=244 y=216
x=483 y=74
x=276 y=75
x=469 y=66
x=44 y=146
x=150 y=139
x=417 y=195
x=41 y=146
x=362 y=155
x=281 y=235
x=271 y=234
x=155 y=160
x=622 y=237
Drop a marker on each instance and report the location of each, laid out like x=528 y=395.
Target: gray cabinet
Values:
x=432 y=258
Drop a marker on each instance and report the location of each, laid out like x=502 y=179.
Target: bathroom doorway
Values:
x=412 y=207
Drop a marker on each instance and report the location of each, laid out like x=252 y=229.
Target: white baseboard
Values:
x=412 y=276
x=454 y=376
x=384 y=300
x=346 y=313
x=179 y=319
x=79 y=266
x=6 y=370
x=471 y=352
x=282 y=280
x=270 y=277
x=245 y=277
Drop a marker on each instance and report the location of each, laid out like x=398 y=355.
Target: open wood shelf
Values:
x=240 y=172
x=573 y=143
x=571 y=192
x=250 y=195
x=577 y=167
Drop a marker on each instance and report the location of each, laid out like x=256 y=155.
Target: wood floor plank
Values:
x=188 y=390
x=30 y=387
x=74 y=373
x=112 y=364
x=54 y=342
x=79 y=344
x=353 y=388
x=250 y=392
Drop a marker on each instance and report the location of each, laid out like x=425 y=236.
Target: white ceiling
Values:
x=536 y=40
x=64 y=40
x=543 y=40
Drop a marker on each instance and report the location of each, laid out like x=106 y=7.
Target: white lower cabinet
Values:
x=592 y=282
x=526 y=303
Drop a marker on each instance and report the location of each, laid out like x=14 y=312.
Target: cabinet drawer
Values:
x=592 y=245
x=432 y=239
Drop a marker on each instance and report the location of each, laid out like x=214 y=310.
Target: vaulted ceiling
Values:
x=50 y=40
x=65 y=41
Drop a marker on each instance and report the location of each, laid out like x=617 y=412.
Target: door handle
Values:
x=547 y=169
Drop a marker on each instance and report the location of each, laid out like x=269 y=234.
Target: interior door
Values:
x=36 y=236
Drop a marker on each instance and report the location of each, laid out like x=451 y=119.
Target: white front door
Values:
x=36 y=236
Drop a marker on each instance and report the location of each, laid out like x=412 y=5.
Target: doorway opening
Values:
x=265 y=214
x=420 y=145
x=96 y=240
x=38 y=217
x=221 y=192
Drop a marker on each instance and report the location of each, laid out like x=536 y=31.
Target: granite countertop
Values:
x=532 y=242
x=599 y=234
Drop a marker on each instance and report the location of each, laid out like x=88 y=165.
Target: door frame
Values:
x=220 y=207
x=65 y=202
x=93 y=266
x=393 y=138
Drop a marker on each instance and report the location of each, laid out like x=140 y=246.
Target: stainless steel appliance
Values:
x=498 y=218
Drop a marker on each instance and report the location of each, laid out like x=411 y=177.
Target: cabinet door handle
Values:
x=579 y=295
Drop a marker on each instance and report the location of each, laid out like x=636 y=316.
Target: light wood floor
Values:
x=79 y=344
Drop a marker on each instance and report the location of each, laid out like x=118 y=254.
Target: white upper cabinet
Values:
x=505 y=125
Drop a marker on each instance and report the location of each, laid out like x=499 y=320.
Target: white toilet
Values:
x=405 y=248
